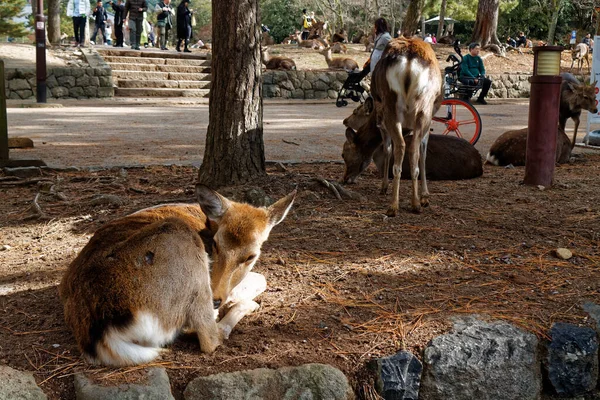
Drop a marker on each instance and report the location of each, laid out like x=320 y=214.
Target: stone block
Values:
x=16 y=385
x=297 y=94
x=332 y=94
x=267 y=78
x=324 y=76
x=19 y=84
x=309 y=94
x=51 y=82
x=157 y=387
x=60 y=91
x=106 y=92
x=66 y=81
x=75 y=91
x=271 y=91
x=397 y=377
x=90 y=91
x=95 y=81
x=306 y=85
x=25 y=94
x=83 y=81
x=320 y=85
x=286 y=94
x=77 y=72
x=321 y=94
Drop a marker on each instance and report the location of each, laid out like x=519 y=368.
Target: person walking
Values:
x=119 y=10
x=164 y=21
x=79 y=10
x=472 y=72
x=382 y=38
x=134 y=9
x=100 y=18
x=184 y=25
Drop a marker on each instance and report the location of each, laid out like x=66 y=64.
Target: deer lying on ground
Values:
x=407 y=91
x=448 y=157
x=340 y=37
x=276 y=62
x=369 y=42
x=347 y=64
x=310 y=44
x=142 y=278
x=580 y=53
x=267 y=39
x=575 y=96
x=339 y=48
x=511 y=148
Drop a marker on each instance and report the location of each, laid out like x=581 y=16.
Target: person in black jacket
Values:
x=99 y=14
x=184 y=25
x=135 y=14
x=119 y=10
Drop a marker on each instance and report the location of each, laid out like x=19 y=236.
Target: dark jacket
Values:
x=471 y=67
x=184 y=21
x=165 y=15
x=100 y=15
x=132 y=7
x=119 y=13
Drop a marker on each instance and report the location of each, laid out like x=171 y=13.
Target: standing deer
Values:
x=347 y=64
x=407 y=89
x=575 y=96
x=142 y=278
x=276 y=62
x=579 y=53
x=311 y=43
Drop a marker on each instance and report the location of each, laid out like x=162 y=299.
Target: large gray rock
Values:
x=306 y=382
x=481 y=360
x=594 y=311
x=572 y=360
x=157 y=387
x=398 y=377
x=17 y=385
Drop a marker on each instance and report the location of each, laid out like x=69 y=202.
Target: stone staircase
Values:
x=155 y=73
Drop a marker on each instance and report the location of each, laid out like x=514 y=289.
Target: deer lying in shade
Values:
x=345 y=63
x=448 y=157
x=276 y=62
x=144 y=277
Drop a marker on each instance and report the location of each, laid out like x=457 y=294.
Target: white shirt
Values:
x=428 y=39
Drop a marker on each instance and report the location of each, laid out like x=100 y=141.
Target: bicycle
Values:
x=458 y=116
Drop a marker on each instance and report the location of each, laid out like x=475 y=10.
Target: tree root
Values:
x=339 y=191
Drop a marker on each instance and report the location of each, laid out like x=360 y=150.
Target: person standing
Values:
x=134 y=9
x=472 y=72
x=119 y=10
x=306 y=24
x=100 y=18
x=78 y=10
x=184 y=25
x=164 y=21
x=382 y=38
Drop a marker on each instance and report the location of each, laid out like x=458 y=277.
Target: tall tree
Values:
x=440 y=30
x=54 y=21
x=234 y=142
x=8 y=11
x=486 y=23
x=413 y=17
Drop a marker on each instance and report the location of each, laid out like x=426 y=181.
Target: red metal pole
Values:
x=40 y=52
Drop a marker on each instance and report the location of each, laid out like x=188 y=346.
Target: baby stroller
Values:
x=352 y=89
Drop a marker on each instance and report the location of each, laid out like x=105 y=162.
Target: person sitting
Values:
x=521 y=40
x=472 y=72
x=587 y=40
x=428 y=39
x=511 y=42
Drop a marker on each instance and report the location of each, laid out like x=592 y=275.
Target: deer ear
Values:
x=369 y=106
x=212 y=203
x=350 y=135
x=278 y=211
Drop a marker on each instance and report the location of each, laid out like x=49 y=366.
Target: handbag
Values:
x=193 y=20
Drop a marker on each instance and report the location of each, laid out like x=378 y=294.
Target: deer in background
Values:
x=347 y=64
x=448 y=157
x=276 y=62
x=340 y=37
x=407 y=89
x=144 y=277
x=311 y=43
x=339 y=48
x=580 y=53
x=575 y=96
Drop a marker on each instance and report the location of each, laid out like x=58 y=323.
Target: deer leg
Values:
x=422 y=163
x=576 y=121
x=413 y=163
x=234 y=315
x=399 y=146
x=386 y=146
x=202 y=321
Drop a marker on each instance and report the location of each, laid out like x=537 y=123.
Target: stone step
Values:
x=149 y=76
x=158 y=68
x=172 y=84
x=196 y=55
x=156 y=61
x=160 y=92
x=181 y=76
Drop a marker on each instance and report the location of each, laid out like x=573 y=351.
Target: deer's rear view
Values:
x=143 y=278
x=407 y=89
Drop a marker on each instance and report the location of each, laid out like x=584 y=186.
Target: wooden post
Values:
x=3 y=120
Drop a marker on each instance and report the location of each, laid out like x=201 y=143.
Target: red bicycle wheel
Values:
x=458 y=118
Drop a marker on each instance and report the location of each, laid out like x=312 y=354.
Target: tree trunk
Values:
x=486 y=23
x=440 y=29
x=413 y=17
x=552 y=27
x=54 y=21
x=234 y=151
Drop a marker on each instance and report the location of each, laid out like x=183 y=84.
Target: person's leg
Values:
x=103 y=32
x=162 y=31
x=487 y=83
x=119 y=34
x=187 y=39
x=75 y=29
x=93 y=38
x=138 y=35
x=82 y=28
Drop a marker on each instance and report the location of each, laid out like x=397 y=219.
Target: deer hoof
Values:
x=417 y=209
x=383 y=191
x=424 y=202
x=391 y=212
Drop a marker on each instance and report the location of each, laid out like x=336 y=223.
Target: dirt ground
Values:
x=345 y=283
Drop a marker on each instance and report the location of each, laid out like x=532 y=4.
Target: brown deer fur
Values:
x=448 y=157
x=340 y=37
x=347 y=64
x=144 y=277
x=276 y=62
x=575 y=97
x=311 y=43
x=580 y=53
x=407 y=90
x=339 y=48
x=511 y=147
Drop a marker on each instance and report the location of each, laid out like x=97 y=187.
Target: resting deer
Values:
x=347 y=64
x=311 y=43
x=340 y=37
x=142 y=278
x=407 y=89
x=276 y=62
x=448 y=157
x=339 y=48
x=579 y=53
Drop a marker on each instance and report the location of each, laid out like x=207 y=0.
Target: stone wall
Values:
x=61 y=83
x=325 y=84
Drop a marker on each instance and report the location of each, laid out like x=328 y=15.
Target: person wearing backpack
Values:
x=164 y=21
x=307 y=22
